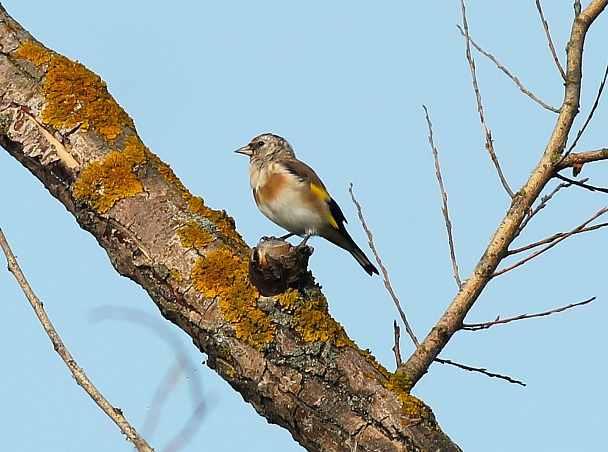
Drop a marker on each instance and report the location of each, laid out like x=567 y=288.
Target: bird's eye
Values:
x=260 y=144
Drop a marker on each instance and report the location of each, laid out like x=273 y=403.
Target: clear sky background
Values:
x=344 y=82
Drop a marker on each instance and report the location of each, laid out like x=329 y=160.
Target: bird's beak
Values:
x=245 y=150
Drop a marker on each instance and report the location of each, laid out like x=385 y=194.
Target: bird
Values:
x=290 y=194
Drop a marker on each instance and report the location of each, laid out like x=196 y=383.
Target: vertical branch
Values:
x=114 y=413
x=444 y=198
x=486 y=131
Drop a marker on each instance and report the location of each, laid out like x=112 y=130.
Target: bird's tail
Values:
x=343 y=239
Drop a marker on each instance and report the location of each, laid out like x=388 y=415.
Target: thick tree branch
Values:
x=451 y=321
x=284 y=354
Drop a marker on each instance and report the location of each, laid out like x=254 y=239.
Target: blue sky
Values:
x=345 y=83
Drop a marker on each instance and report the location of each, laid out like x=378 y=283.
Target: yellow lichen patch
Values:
x=288 y=299
x=193 y=235
x=313 y=322
x=176 y=275
x=102 y=184
x=134 y=150
x=220 y=218
x=33 y=52
x=413 y=407
x=222 y=274
x=75 y=96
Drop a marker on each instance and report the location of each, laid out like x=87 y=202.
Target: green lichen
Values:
x=102 y=184
x=223 y=275
x=176 y=275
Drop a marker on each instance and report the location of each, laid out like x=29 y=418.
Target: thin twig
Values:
x=543 y=203
x=386 y=280
x=396 y=349
x=444 y=199
x=487 y=133
x=553 y=238
x=114 y=413
x=552 y=244
x=596 y=103
x=581 y=184
x=499 y=321
x=549 y=40
x=480 y=370
x=515 y=80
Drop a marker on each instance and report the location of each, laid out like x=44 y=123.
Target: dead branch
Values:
x=582 y=184
x=385 y=278
x=552 y=244
x=486 y=131
x=499 y=321
x=515 y=80
x=554 y=237
x=481 y=370
x=549 y=40
x=77 y=372
x=444 y=199
x=396 y=348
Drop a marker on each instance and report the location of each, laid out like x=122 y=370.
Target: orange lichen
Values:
x=176 y=275
x=35 y=53
x=288 y=299
x=221 y=219
x=193 y=235
x=413 y=407
x=166 y=172
x=102 y=184
x=75 y=96
x=222 y=274
x=313 y=322
x=135 y=150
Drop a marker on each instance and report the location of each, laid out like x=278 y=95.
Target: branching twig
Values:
x=114 y=413
x=480 y=370
x=508 y=74
x=582 y=184
x=499 y=321
x=579 y=159
x=552 y=244
x=549 y=40
x=487 y=133
x=553 y=238
x=543 y=203
x=596 y=103
x=383 y=269
x=396 y=348
x=444 y=199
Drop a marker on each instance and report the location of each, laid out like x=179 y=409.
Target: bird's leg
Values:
x=309 y=235
x=286 y=236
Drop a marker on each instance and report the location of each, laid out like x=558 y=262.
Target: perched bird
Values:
x=291 y=194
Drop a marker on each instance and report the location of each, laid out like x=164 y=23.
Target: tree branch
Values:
x=549 y=40
x=499 y=321
x=451 y=321
x=481 y=370
x=79 y=375
x=444 y=199
x=284 y=354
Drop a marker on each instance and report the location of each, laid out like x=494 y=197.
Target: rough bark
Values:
x=284 y=354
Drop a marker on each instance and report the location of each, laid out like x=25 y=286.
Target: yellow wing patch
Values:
x=320 y=193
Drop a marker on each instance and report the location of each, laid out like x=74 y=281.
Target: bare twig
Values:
x=553 y=238
x=487 y=133
x=383 y=269
x=552 y=244
x=508 y=74
x=480 y=370
x=396 y=349
x=444 y=199
x=499 y=321
x=577 y=8
x=114 y=413
x=596 y=103
x=579 y=159
x=543 y=203
x=582 y=184
x=549 y=40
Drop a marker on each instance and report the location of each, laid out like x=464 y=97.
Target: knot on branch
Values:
x=275 y=266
